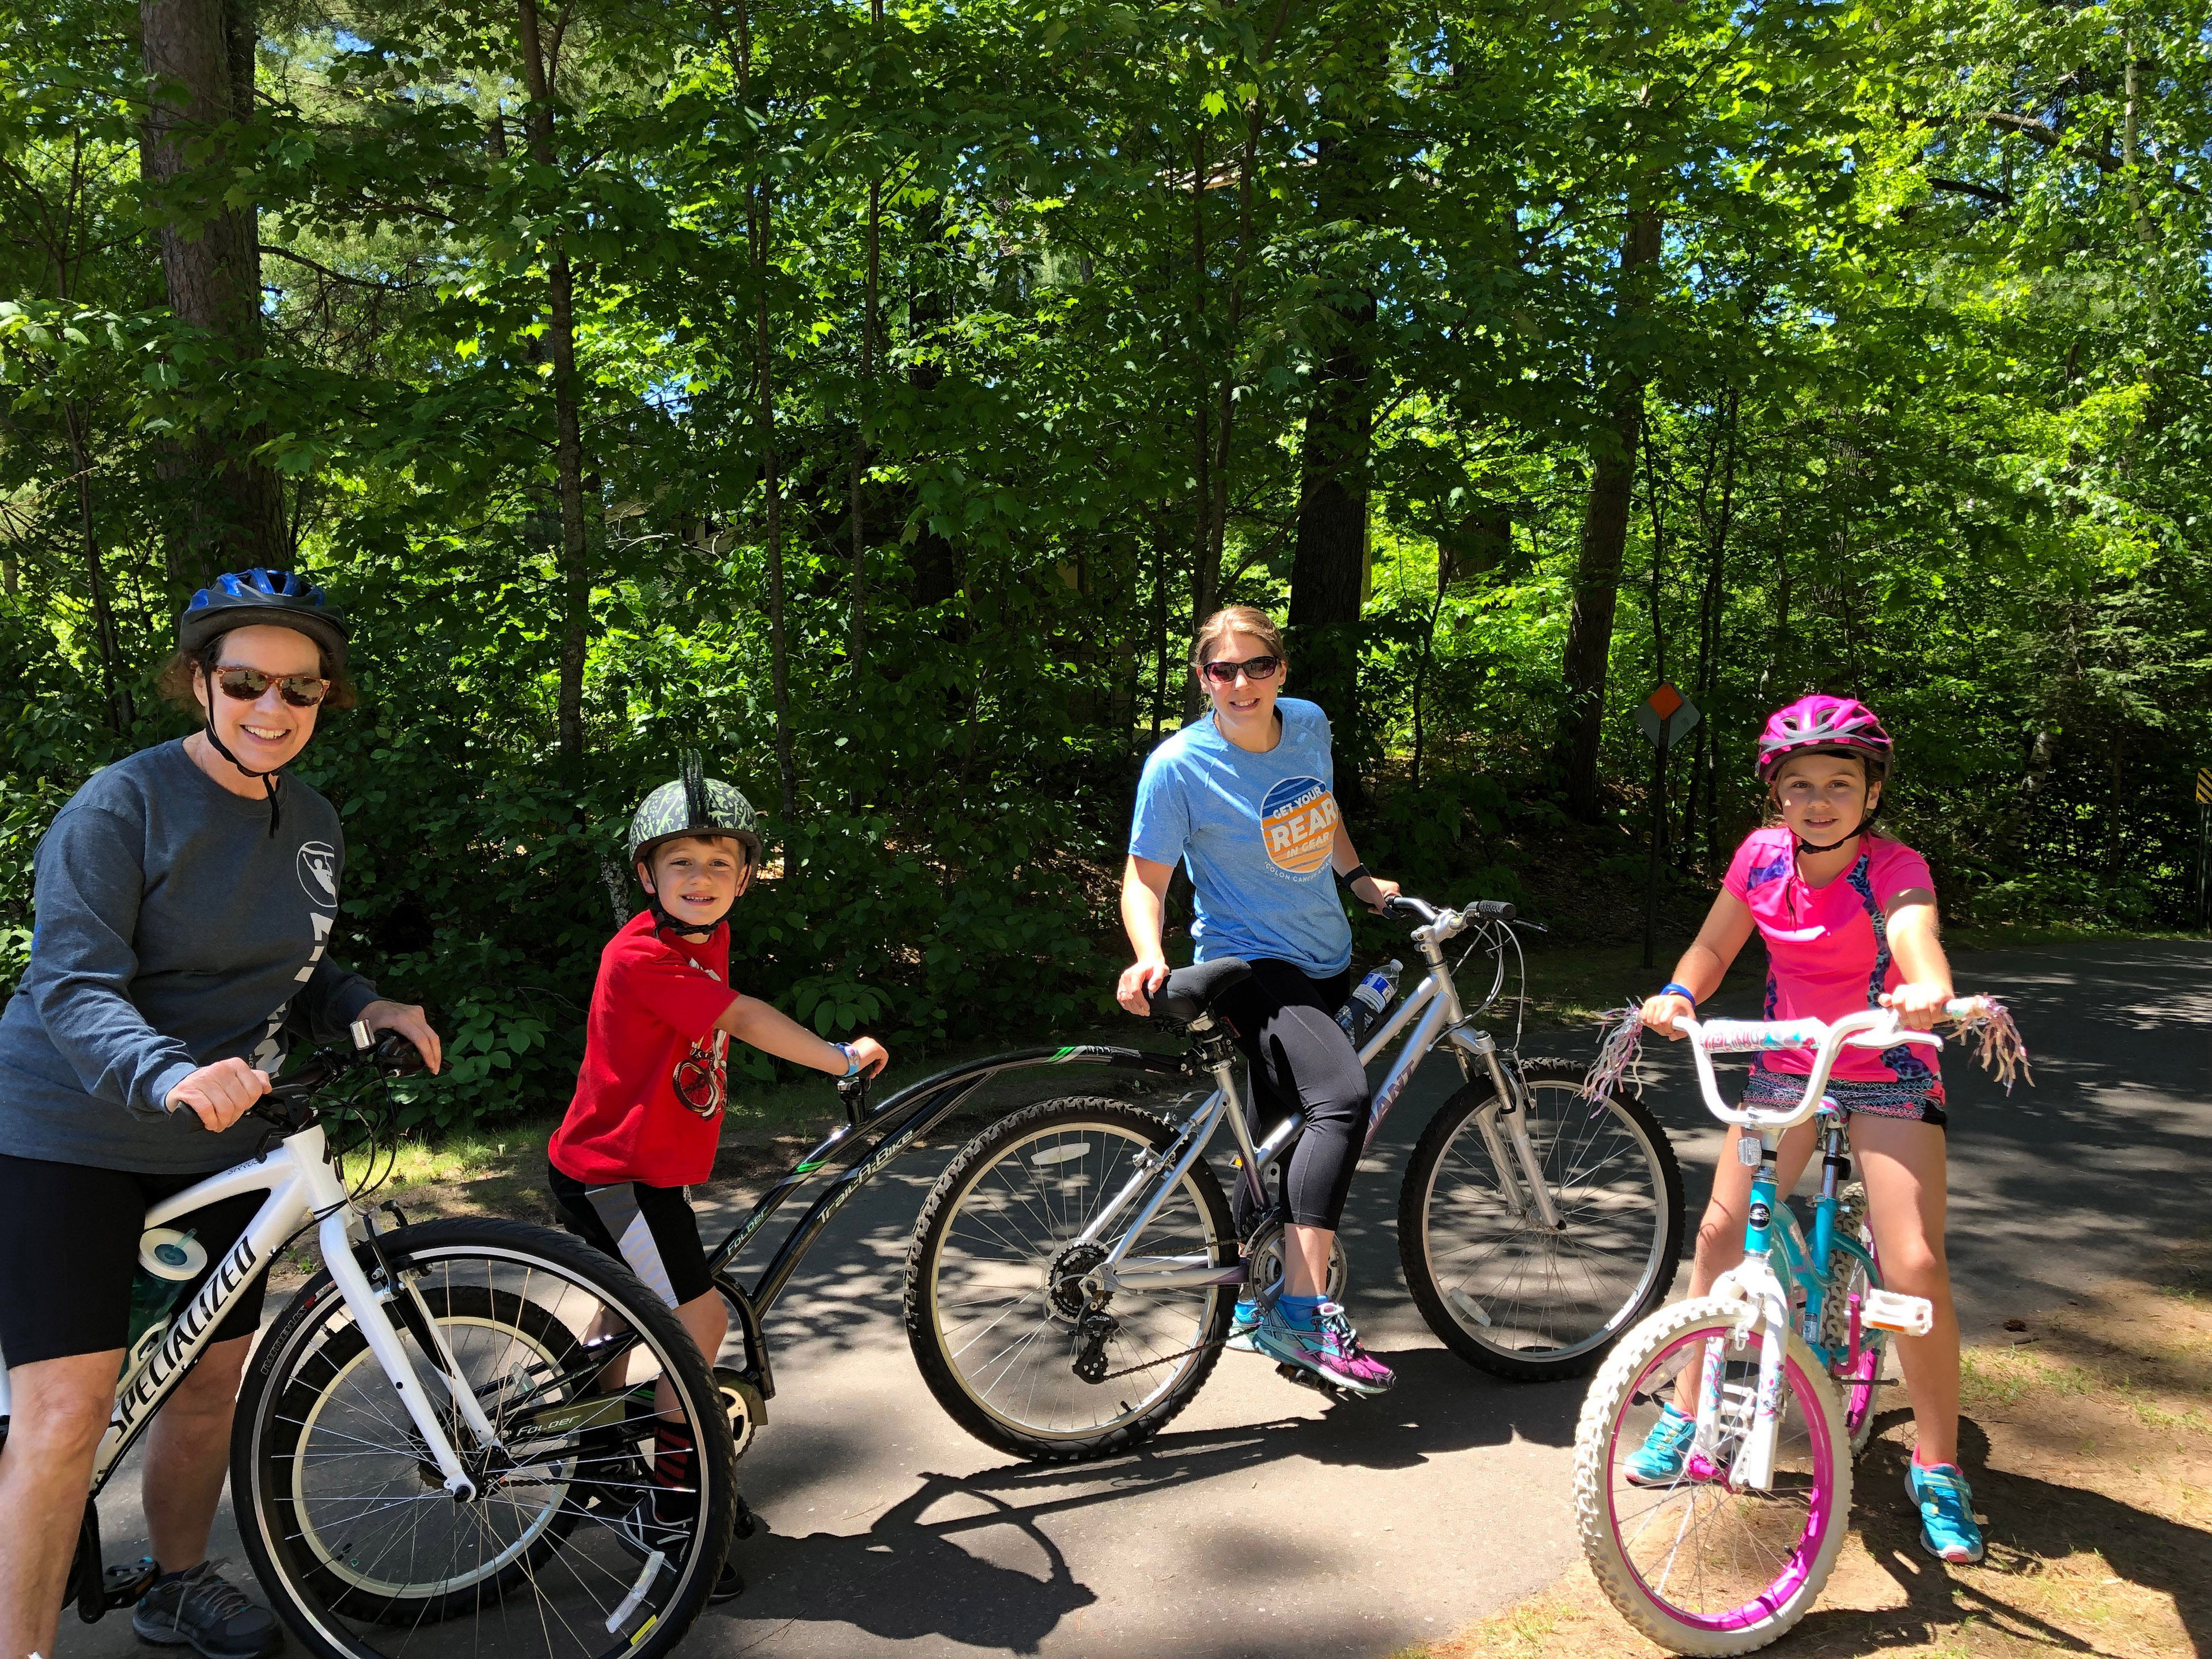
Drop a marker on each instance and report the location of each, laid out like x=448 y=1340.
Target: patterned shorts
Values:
x=1915 y=1102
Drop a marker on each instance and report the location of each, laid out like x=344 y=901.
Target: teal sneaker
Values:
x=1328 y=1349
x=1659 y=1459
x=1242 y=1324
x=1947 y=1531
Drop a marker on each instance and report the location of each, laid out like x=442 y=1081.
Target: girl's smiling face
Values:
x=697 y=878
x=1824 y=799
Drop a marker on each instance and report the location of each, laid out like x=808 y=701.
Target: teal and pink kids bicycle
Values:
x=1731 y=1550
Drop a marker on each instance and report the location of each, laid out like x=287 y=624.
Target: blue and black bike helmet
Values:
x=248 y=598
x=259 y=598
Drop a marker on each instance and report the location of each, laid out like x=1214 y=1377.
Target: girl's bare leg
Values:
x=1903 y=1164
x=1720 y=1233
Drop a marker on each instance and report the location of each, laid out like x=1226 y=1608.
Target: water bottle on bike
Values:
x=1362 y=1011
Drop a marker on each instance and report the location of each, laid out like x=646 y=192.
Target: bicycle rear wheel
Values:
x=1697 y=1565
x=344 y=1513
x=995 y=1310
x=1504 y=1293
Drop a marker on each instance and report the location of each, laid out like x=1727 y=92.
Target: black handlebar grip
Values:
x=395 y=1056
x=1493 y=910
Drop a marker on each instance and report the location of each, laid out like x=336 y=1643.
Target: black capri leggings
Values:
x=1302 y=1061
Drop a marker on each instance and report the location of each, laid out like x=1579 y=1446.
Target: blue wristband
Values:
x=1675 y=989
x=852 y=1059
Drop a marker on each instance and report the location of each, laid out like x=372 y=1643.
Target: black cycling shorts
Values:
x=649 y=1229
x=69 y=1249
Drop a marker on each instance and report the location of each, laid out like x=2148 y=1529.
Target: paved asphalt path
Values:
x=1264 y=1522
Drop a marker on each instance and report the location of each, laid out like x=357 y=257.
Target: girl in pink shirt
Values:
x=1848 y=917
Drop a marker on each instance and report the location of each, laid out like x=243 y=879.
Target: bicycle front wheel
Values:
x=569 y=1549
x=1697 y=1562
x=1503 y=1291
x=997 y=1311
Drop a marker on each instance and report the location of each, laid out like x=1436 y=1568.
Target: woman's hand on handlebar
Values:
x=219 y=1095
x=409 y=1021
x=1139 y=979
x=1660 y=1012
x=1918 y=1006
x=1376 y=893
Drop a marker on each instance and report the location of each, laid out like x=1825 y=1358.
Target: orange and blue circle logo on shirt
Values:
x=1297 y=821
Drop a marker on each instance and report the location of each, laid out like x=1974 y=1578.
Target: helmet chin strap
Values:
x=268 y=779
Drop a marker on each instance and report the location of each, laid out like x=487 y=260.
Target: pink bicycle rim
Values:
x=1821 y=1515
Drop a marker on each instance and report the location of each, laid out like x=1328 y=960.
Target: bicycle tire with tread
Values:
x=1592 y=1485
x=936 y=1219
x=261 y=1401
x=1420 y=1167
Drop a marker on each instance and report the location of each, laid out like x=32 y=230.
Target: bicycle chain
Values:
x=1167 y=1359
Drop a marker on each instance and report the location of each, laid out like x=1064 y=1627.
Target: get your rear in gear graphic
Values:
x=1298 y=819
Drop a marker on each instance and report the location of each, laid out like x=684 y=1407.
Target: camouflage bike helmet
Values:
x=694 y=805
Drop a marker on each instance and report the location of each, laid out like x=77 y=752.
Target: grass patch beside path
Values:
x=2087 y=1437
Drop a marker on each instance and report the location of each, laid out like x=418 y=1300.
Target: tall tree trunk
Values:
x=113 y=691
x=760 y=209
x=1605 y=534
x=857 y=653
x=538 y=72
x=199 y=56
x=1329 y=567
x=1702 y=764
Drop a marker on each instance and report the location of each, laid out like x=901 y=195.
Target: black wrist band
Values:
x=1355 y=873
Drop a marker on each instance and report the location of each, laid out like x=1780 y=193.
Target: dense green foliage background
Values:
x=1902 y=391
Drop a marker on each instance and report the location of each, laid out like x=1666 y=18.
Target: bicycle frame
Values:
x=867 y=1140
x=1755 y=1282
x=302 y=1186
x=1433 y=1011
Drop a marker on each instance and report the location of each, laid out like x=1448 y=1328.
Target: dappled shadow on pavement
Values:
x=2029 y=1523
x=971 y=1559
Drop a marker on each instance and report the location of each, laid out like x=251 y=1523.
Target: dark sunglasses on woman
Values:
x=1254 y=669
x=247 y=685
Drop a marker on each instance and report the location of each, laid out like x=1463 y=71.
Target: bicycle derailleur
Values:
x=1075 y=1303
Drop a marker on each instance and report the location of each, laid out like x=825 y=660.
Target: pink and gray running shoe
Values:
x=1329 y=1348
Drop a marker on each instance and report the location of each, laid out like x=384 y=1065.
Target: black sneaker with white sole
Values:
x=641 y=1531
x=200 y=1610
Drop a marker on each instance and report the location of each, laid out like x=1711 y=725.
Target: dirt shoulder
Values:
x=2088 y=1435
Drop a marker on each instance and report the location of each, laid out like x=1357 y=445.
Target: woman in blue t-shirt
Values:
x=1245 y=799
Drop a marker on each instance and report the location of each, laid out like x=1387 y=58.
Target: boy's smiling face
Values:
x=697 y=878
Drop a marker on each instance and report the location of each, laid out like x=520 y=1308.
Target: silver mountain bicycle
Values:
x=1073 y=1274
x=443 y=1445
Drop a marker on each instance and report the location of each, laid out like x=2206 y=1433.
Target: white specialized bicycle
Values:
x=1732 y=1550
x=442 y=1444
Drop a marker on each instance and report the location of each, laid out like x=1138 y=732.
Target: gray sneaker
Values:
x=199 y=1610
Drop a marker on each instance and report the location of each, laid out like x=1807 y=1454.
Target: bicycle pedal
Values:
x=121 y=1586
x=1306 y=1379
x=1906 y=1315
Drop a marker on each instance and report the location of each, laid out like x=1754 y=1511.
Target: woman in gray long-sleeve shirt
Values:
x=184 y=902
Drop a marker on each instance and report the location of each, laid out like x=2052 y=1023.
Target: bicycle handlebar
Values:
x=1447 y=923
x=392 y=1056
x=1868 y=1028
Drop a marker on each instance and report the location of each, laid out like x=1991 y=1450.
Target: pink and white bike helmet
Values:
x=1827 y=726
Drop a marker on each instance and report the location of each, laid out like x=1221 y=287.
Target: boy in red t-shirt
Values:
x=646 y=1115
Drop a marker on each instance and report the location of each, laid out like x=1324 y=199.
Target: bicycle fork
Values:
x=382 y=1330
x=1755 y=1285
x=1528 y=1194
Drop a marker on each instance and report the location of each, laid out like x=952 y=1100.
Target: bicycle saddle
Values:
x=1189 y=992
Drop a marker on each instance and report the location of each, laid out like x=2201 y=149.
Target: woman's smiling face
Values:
x=1245 y=703
x=267 y=733
x=1824 y=798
